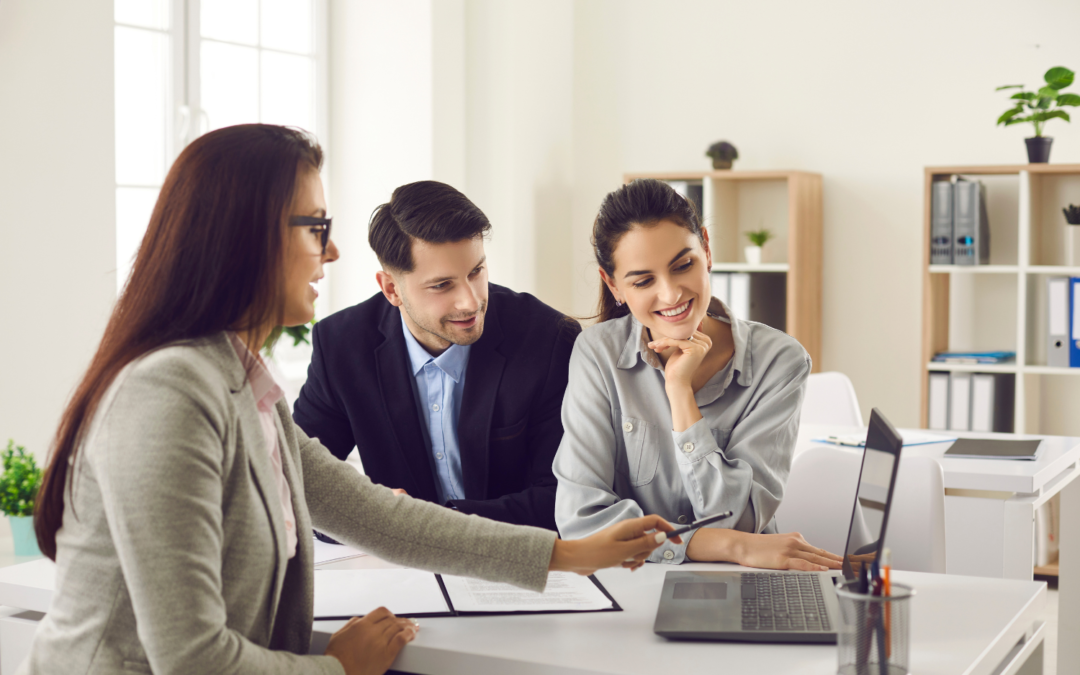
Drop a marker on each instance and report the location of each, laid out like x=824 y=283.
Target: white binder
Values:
x=960 y=402
x=1057 y=345
x=939 y=401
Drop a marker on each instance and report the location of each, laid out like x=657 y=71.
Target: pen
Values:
x=696 y=524
x=886 y=576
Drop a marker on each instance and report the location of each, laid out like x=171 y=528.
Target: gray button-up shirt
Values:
x=620 y=459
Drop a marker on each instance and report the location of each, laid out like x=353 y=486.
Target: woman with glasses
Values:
x=174 y=501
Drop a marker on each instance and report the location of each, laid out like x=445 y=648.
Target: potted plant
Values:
x=722 y=154
x=1039 y=107
x=18 y=487
x=757 y=240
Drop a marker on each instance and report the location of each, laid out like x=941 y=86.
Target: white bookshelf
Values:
x=1002 y=305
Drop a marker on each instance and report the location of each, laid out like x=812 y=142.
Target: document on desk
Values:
x=565 y=592
x=323 y=552
x=343 y=594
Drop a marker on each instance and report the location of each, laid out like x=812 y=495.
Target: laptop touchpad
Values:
x=700 y=591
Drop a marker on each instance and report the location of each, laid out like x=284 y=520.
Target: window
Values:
x=185 y=67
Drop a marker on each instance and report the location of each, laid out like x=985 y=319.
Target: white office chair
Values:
x=830 y=399
x=821 y=490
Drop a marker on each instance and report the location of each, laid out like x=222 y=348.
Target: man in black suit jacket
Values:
x=363 y=388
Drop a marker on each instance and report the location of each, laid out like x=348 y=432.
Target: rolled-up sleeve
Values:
x=748 y=475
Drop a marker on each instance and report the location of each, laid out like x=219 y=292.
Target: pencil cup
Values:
x=875 y=632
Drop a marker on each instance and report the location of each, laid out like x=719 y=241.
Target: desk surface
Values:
x=1056 y=456
x=959 y=625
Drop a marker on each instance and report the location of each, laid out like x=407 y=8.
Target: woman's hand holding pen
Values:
x=627 y=543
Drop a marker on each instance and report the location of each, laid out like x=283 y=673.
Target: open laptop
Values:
x=787 y=606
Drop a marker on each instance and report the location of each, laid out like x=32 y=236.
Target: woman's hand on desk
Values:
x=627 y=543
x=767 y=551
x=368 y=645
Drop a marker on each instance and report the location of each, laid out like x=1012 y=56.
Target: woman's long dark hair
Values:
x=210 y=260
x=641 y=203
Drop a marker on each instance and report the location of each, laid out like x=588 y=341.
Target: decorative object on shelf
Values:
x=722 y=154
x=758 y=239
x=1072 y=214
x=1039 y=107
x=18 y=487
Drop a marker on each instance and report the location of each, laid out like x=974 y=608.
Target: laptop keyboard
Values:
x=783 y=602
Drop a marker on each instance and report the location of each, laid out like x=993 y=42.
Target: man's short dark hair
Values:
x=427 y=210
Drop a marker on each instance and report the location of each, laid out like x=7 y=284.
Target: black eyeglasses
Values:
x=311 y=221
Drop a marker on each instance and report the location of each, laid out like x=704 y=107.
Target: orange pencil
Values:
x=886 y=574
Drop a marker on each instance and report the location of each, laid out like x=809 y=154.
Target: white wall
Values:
x=57 y=206
x=867 y=94
x=381 y=124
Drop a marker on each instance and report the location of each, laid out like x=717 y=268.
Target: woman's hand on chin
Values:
x=787 y=551
x=683 y=357
x=627 y=543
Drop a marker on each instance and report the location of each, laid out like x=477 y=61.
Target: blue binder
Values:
x=1074 y=322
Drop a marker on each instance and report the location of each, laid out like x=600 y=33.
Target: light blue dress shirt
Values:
x=440 y=383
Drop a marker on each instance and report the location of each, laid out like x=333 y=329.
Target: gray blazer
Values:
x=172 y=559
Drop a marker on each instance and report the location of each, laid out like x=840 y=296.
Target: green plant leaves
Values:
x=1059 y=77
x=1009 y=114
x=1024 y=96
x=20 y=481
x=1048 y=92
x=1010 y=86
x=1068 y=99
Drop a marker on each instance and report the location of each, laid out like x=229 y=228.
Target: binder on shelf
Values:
x=1074 y=323
x=971 y=231
x=721 y=286
x=992 y=397
x=739 y=301
x=1057 y=345
x=960 y=402
x=941 y=223
x=939 y=401
x=692 y=190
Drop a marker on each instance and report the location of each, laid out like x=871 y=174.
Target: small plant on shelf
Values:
x=1039 y=107
x=758 y=239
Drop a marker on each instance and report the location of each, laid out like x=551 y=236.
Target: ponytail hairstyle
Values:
x=641 y=203
x=211 y=260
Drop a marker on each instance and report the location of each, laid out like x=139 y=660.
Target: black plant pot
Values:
x=1038 y=149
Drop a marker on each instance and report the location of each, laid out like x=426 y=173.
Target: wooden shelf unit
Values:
x=739 y=201
x=1029 y=241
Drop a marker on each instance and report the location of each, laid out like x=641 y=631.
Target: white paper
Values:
x=910 y=438
x=565 y=591
x=324 y=552
x=357 y=592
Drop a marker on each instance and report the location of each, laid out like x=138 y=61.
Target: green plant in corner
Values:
x=759 y=237
x=1039 y=107
x=20 y=482
x=299 y=335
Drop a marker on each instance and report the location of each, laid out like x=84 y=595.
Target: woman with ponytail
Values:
x=175 y=501
x=676 y=407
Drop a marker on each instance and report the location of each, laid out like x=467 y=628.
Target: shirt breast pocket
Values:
x=642 y=447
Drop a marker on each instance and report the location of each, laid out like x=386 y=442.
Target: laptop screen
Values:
x=870 y=515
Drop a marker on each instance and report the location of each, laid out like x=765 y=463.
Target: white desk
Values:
x=990 y=516
x=968 y=625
